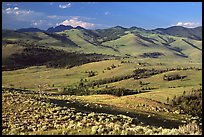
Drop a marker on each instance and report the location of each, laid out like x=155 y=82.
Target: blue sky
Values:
x=95 y=15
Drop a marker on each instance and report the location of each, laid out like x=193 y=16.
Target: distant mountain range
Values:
x=59 y=28
x=192 y=33
x=175 y=43
x=51 y=29
x=30 y=30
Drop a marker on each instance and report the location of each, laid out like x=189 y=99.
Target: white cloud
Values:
x=188 y=24
x=74 y=21
x=8 y=9
x=65 y=6
x=17 y=11
x=179 y=24
x=17 y=14
x=16 y=8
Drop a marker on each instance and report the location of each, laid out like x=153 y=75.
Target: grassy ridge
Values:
x=132 y=43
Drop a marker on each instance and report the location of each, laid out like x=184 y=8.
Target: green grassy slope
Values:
x=133 y=42
x=133 y=45
x=175 y=49
x=68 y=77
x=86 y=43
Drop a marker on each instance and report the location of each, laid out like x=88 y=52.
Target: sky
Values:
x=99 y=15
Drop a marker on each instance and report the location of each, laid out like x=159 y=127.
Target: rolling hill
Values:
x=30 y=30
x=174 y=43
x=59 y=28
x=192 y=33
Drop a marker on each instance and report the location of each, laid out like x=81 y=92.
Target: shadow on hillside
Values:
x=83 y=107
x=88 y=107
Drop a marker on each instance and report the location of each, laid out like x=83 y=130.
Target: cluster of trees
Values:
x=143 y=64
x=91 y=73
x=125 y=61
x=109 y=80
x=39 y=55
x=137 y=74
x=80 y=89
x=152 y=55
x=117 y=91
x=190 y=103
x=76 y=91
x=145 y=73
x=173 y=77
x=111 y=67
x=183 y=68
x=83 y=89
x=75 y=59
x=143 y=83
x=147 y=88
x=29 y=57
